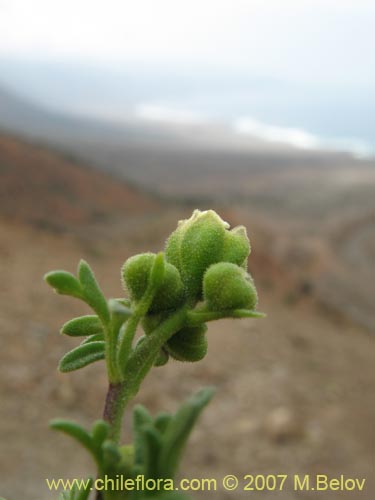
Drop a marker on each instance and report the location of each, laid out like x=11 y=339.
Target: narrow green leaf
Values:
x=76 y=432
x=93 y=338
x=141 y=419
x=99 y=432
x=141 y=416
x=82 y=326
x=91 y=291
x=119 y=309
x=247 y=313
x=111 y=454
x=119 y=313
x=162 y=421
x=64 y=283
x=152 y=439
x=81 y=356
x=124 y=301
x=127 y=458
x=197 y=317
x=179 y=430
x=83 y=494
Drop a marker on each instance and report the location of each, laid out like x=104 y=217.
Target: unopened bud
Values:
x=188 y=344
x=136 y=274
x=197 y=243
x=227 y=286
x=236 y=246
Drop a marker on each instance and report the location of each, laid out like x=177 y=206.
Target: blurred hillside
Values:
x=47 y=190
x=315 y=210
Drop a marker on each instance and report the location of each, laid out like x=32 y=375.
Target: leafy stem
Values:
x=154 y=282
x=137 y=366
x=201 y=277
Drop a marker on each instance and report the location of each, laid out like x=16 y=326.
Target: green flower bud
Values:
x=136 y=275
x=196 y=244
x=200 y=241
x=236 y=246
x=152 y=321
x=227 y=286
x=163 y=356
x=188 y=344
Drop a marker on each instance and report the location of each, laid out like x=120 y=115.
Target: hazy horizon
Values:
x=300 y=73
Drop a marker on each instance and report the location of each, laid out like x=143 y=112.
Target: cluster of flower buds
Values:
x=201 y=276
x=206 y=264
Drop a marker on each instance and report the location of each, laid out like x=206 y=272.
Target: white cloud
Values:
x=300 y=138
x=292 y=136
x=168 y=114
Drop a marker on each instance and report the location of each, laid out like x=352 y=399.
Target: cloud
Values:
x=168 y=114
x=300 y=138
x=293 y=136
x=290 y=136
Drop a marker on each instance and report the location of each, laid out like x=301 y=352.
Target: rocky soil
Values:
x=295 y=390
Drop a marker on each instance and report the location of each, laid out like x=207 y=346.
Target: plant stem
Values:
x=127 y=340
x=111 y=399
x=111 y=340
x=139 y=364
x=142 y=359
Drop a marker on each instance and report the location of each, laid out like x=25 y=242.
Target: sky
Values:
x=308 y=39
x=308 y=42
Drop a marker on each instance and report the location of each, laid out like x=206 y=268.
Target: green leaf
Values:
x=82 y=326
x=76 y=432
x=162 y=421
x=119 y=313
x=127 y=458
x=64 y=283
x=141 y=416
x=91 y=291
x=153 y=443
x=93 y=338
x=179 y=430
x=141 y=419
x=247 y=313
x=147 y=443
x=124 y=301
x=81 y=356
x=199 y=316
x=117 y=308
x=99 y=432
x=81 y=492
x=111 y=454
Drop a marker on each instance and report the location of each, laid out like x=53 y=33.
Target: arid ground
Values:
x=295 y=391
